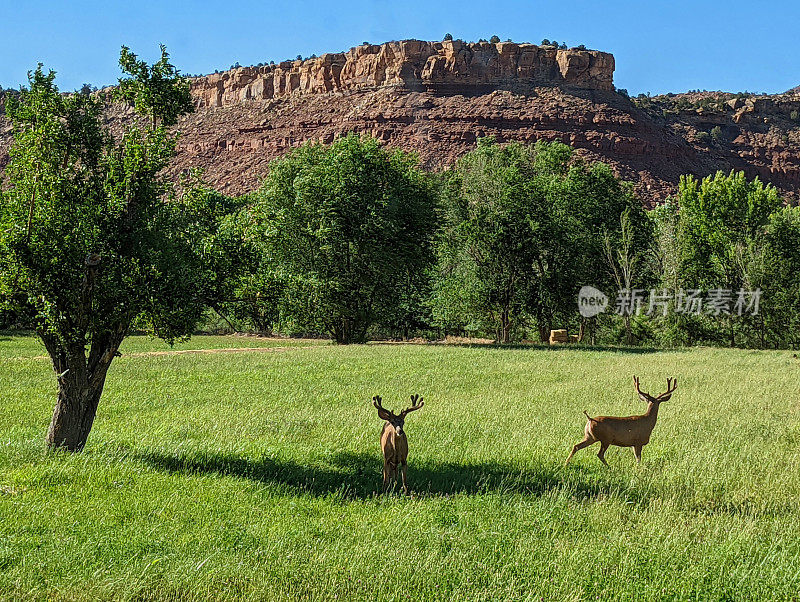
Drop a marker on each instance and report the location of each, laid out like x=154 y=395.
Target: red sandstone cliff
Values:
x=413 y=65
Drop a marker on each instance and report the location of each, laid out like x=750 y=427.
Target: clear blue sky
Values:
x=659 y=46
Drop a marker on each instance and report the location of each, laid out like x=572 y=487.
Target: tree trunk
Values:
x=505 y=325
x=628 y=331
x=544 y=333
x=73 y=416
x=80 y=386
x=80 y=378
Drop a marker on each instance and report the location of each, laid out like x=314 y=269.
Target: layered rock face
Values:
x=235 y=143
x=438 y=67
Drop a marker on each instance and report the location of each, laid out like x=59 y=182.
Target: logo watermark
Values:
x=591 y=301
x=654 y=302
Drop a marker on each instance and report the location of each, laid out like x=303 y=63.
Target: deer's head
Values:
x=672 y=384
x=397 y=420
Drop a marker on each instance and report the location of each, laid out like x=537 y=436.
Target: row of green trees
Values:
x=354 y=240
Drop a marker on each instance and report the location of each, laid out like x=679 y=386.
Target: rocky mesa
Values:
x=451 y=67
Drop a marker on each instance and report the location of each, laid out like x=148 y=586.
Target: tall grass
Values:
x=254 y=475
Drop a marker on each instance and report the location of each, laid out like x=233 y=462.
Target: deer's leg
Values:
x=585 y=443
x=387 y=472
x=404 y=473
x=602 y=453
x=637 y=451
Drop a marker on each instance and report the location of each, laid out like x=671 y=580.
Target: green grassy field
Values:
x=254 y=475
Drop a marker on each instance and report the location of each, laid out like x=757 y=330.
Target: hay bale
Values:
x=559 y=336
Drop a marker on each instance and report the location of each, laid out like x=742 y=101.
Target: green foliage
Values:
x=717 y=240
x=448 y=37
x=494 y=40
x=716 y=134
x=347 y=228
x=782 y=280
x=158 y=90
x=718 y=215
x=76 y=192
x=522 y=232
x=794 y=115
x=253 y=289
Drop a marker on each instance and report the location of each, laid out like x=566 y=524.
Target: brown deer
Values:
x=394 y=443
x=630 y=431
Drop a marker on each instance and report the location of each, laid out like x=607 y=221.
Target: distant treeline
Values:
x=356 y=241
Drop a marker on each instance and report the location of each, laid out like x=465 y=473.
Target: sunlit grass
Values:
x=15 y=346
x=255 y=474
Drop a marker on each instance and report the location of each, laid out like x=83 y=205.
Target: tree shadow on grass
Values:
x=358 y=476
x=569 y=347
x=494 y=346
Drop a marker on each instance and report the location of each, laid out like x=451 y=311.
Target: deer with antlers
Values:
x=394 y=442
x=628 y=431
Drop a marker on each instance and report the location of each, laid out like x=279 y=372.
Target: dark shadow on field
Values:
x=358 y=476
x=10 y=334
x=577 y=347
x=547 y=347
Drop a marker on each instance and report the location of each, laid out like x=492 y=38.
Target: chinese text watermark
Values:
x=655 y=302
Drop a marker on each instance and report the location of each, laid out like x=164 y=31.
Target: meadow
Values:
x=255 y=475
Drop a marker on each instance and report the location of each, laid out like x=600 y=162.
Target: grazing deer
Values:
x=394 y=443
x=630 y=431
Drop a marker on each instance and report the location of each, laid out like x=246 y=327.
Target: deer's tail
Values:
x=589 y=417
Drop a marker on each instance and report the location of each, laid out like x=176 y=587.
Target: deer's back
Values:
x=624 y=431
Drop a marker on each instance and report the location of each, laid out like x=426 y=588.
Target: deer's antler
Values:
x=638 y=390
x=416 y=403
x=672 y=384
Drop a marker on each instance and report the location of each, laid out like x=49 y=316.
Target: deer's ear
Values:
x=644 y=397
x=382 y=412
